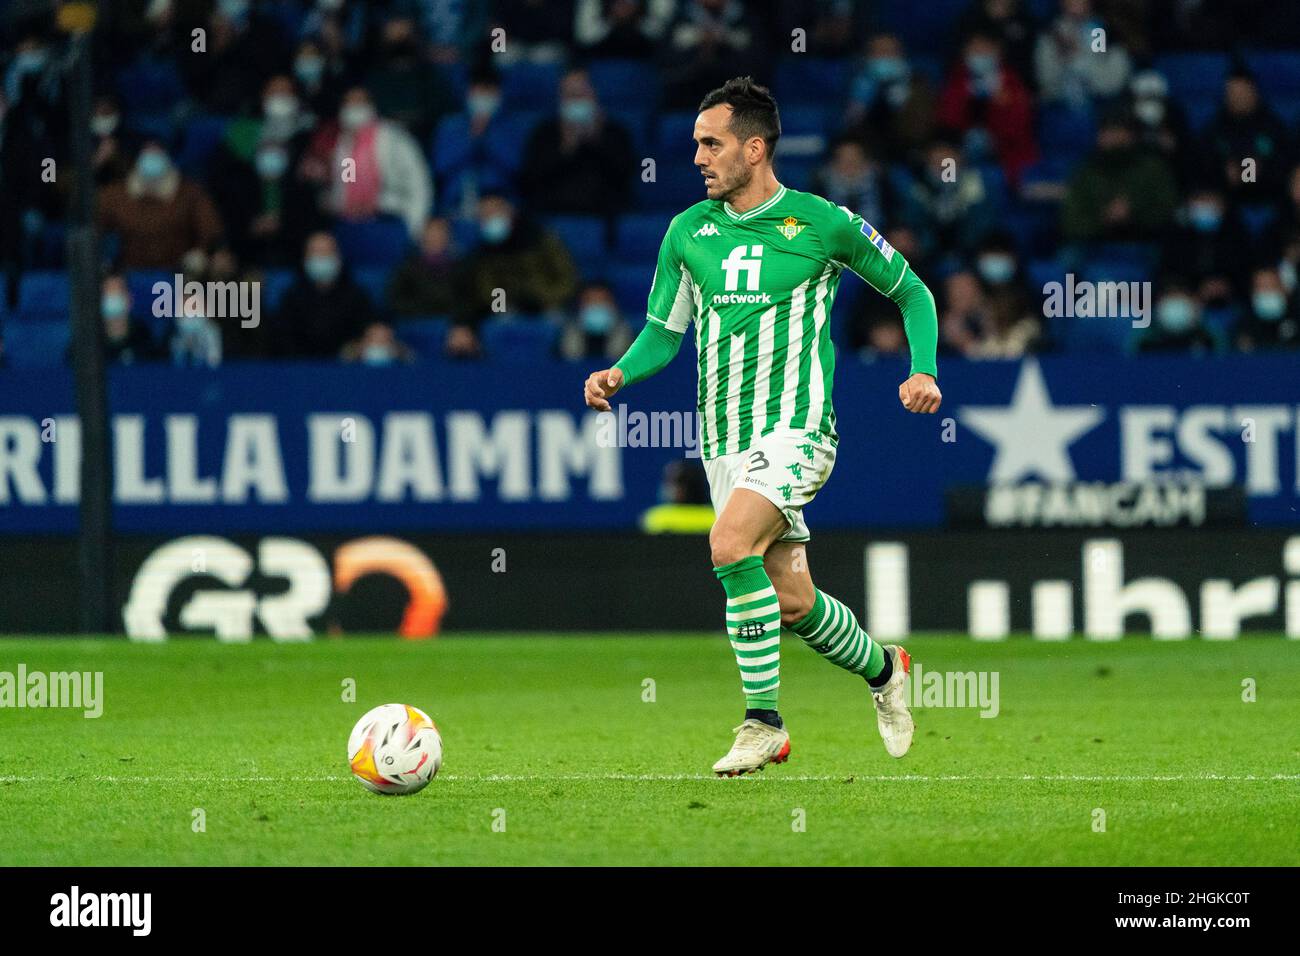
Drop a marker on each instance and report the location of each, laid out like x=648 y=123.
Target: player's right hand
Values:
x=601 y=386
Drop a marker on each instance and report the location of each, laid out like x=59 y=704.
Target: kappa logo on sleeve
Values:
x=878 y=241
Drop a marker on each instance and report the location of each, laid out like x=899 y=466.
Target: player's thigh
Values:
x=786 y=563
x=747 y=525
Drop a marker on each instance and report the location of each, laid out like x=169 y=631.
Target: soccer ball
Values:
x=395 y=749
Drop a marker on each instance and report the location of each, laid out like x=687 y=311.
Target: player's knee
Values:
x=727 y=547
x=794 y=608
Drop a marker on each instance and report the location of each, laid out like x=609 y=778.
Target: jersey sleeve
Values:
x=853 y=242
x=671 y=294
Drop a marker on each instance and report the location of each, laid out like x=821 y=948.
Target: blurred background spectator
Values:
x=497 y=199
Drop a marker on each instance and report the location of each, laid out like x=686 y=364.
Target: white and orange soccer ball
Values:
x=395 y=749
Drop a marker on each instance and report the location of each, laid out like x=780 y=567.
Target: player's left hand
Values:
x=920 y=394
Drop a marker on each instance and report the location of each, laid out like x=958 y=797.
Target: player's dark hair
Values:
x=753 y=110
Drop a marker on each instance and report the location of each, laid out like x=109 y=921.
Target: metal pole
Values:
x=95 y=545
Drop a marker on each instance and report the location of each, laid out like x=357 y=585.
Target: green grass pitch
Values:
x=551 y=735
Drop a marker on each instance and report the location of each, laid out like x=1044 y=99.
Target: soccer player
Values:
x=756 y=266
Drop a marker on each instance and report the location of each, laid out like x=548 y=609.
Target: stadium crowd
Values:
x=512 y=167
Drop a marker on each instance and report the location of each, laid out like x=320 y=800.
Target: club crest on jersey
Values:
x=708 y=229
x=791 y=227
x=878 y=241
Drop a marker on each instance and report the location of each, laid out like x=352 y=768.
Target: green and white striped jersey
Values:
x=759 y=286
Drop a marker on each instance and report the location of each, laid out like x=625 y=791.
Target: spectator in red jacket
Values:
x=988 y=102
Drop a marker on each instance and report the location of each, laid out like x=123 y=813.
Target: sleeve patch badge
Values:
x=878 y=241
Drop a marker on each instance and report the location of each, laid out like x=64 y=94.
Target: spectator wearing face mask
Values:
x=518 y=268
x=33 y=130
x=1208 y=248
x=598 y=330
x=853 y=179
x=126 y=339
x=163 y=219
x=428 y=281
x=1176 y=327
x=324 y=309
x=890 y=108
x=1012 y=322
x=408 y=88
x=1270 y=322
x=621 y=28
x=988 y=103
x=1120 y=193
x=1246 y=128
x=951 y=205
x=244 y=48
x=1070 y=67
x=579 y=161
x=375 y=167
x=469 y=151
x=112 y=146
x=195 y=338
x=378 y=345
x=269 y=207
x=1014 y=27
x=321 y=81
x=1159 y=123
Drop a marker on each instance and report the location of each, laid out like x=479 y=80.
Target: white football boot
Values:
x=892 y=716
x=757 y=745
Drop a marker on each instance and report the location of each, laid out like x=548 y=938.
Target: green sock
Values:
x=754 y=626
x=832 y=631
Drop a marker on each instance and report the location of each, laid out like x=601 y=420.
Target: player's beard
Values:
x=737 y=178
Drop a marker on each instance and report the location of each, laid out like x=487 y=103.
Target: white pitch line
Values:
x=683 y=777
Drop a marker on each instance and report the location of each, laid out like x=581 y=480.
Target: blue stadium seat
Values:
x=203 y=134
x=631 y=285
x=1287 y=108
x=1193 y=74
x=382 y=241
x=526 y=339
x=530 y=85
x=809 y=79
x=674 y=137
x=637 y=123
x=921 y=24
x=275 y=283
x=1066 y=133
x=1257 y=217
x=140 y=285
x=374 y=280
x=1277 y=72
x=506 y=138
x=150 y=85
x=1200 y=109
x=36 y=342
x=621 y=81
x=157 y=126
x=585 y=238
x=639 y=236
x=45 y=293
x=797 y=172
x=425 y=334
x=677 y=184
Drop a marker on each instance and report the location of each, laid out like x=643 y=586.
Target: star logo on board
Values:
x=1032 y=436
x=791 y=227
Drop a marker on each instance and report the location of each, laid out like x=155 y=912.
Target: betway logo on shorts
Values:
x=747 y=261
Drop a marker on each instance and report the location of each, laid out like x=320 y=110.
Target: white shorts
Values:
x=787 y=468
